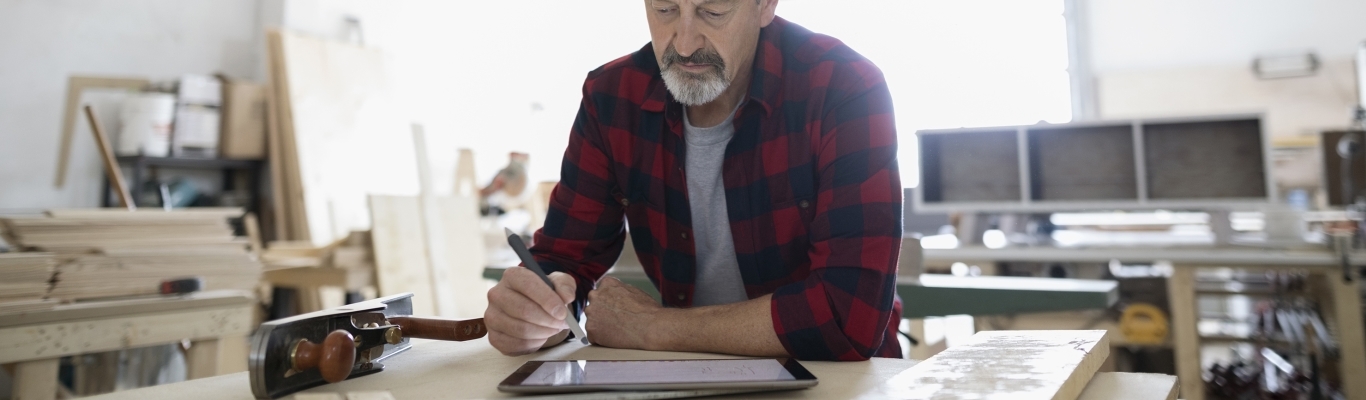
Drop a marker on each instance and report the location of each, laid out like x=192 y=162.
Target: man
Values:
x=755 y=164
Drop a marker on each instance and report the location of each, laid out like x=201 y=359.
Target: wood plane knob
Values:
x=333 y=358
x=440 y=329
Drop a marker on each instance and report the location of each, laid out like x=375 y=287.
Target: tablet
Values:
x=598 y=375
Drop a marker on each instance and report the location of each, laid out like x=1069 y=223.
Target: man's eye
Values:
x=713 y=14
x=664 y=11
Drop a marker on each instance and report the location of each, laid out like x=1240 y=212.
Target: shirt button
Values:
x=685 y=237
x=804 y=204
x=682 y=297
x=625 y=202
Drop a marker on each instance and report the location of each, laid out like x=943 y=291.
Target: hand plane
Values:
x=329 y=346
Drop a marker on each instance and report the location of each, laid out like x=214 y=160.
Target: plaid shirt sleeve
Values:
x=583 y=233
x=843 y=309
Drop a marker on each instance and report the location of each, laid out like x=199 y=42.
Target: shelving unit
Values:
x=1190 y=163
x=144 y=167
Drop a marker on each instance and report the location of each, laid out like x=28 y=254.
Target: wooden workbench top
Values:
x=471 y=370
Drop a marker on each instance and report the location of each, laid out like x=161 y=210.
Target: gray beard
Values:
x=694 y=89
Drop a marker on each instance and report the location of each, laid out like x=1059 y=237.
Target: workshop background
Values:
x=1187 y=174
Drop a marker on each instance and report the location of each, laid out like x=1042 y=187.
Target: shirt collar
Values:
x=766 y=76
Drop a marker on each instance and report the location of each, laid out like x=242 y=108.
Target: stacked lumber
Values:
x=106 y=253
x=25 y=279
x=322 y=275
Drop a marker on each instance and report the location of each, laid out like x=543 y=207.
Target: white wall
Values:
x=492 y=76
x=1190 y=57
x=42 y=42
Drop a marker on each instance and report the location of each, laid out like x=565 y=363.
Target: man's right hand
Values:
x=524 y=314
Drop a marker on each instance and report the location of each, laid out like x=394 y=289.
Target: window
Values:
x=954 y=63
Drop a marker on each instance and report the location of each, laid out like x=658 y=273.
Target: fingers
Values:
x=497 y=320
x=513 y=346
x=565 y=286
x=529 y=285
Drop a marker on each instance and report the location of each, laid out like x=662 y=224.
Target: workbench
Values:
x=931 y=295
x=473 y=369
x=1342 y=305
x=35 y=342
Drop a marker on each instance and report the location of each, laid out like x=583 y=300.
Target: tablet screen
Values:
x=654 y=373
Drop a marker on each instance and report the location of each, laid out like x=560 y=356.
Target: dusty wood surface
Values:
x=1010 y=365
x=473 y=369
x=1130 y=386
x=94 y=327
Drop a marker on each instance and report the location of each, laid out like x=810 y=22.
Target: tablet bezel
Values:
x=513 y=383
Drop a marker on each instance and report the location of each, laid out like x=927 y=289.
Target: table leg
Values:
x=1185 y=335
x=1344 y=308
x=201 y=359
x=36 y=380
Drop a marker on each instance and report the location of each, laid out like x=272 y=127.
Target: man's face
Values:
x=702 y=46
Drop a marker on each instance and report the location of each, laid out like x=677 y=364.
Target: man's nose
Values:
x=689 y=38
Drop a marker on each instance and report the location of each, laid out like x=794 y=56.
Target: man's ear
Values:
x=767 y=10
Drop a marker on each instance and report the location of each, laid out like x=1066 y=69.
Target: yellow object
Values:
x=1143 y=323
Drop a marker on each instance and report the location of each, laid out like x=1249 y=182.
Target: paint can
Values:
x=146 y=127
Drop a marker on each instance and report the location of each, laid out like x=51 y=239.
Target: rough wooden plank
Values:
x=90 y=310
x=1130 y=386
x=36 y=380
x=36 y=342
x=337 y=105
x=464 y=251
x=1185 y=336
x=434 y=237
x=400 y=258
x=1009 y=365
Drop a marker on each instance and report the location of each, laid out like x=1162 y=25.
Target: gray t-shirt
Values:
x=718 y=271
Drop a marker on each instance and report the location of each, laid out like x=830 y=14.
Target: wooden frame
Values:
x=76 y=85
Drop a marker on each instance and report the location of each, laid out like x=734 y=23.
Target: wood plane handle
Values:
x=440 y=329
x=333 y=358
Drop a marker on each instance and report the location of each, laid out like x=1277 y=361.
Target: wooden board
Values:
x=472 y=370
x=400 y=255
x=1130 y=386
x=401 y=258
x=44 y=341
x=205 y=212
x=1009 y=365
x=75 y=85
x=1185 y=336
x=337 y=109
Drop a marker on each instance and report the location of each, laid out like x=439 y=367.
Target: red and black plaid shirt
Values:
x=812 y=191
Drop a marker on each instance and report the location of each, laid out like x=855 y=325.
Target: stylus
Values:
x=530 y=263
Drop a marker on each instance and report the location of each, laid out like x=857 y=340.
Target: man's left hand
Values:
x=621 y=316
